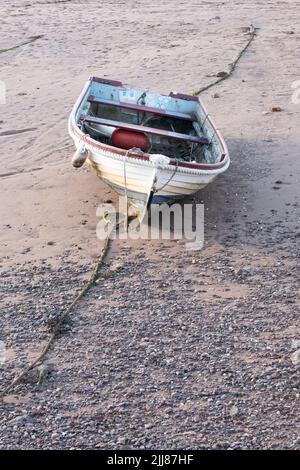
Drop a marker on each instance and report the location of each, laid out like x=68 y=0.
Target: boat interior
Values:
x=144 y=121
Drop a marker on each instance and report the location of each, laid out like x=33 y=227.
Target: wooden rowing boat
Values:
x=154 y=148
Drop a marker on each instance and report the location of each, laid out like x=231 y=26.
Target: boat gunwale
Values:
x=86 y=138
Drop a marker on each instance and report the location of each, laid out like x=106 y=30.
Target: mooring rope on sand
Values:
x=232 y=66
x=62 y=318
x=105 y=249
x=24 y=43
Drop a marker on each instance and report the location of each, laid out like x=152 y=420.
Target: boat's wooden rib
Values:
x=138 y=128
x=141 y=108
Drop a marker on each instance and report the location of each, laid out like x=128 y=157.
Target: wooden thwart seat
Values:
x=141 y=108
x=147 y=130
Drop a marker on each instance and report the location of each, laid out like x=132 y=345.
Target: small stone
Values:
x=43 y=372
x=244 y=272
x=295 y=357
x=222 y=74
x=275 y=109
x=50 y=243
x=296 y=343
x=121 y=441
x=233 y=411
x=216 y=95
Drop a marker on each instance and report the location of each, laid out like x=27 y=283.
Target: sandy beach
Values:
x=173 y=349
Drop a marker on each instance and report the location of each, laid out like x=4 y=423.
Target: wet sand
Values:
x=176 y=349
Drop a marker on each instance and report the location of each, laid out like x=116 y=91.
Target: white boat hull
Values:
x=138 y=175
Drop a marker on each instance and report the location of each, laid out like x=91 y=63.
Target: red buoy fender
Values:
x=125 y=139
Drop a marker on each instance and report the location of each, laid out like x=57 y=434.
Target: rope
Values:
x=61 y=319
x=171 y=177
x=29 y=41
x=125 y=191
x=125 y=187
x=232 y=66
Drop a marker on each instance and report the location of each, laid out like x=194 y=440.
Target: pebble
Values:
x=295 y=357
x=275 y=109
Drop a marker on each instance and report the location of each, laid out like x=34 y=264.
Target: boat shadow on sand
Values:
x=242 y=206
